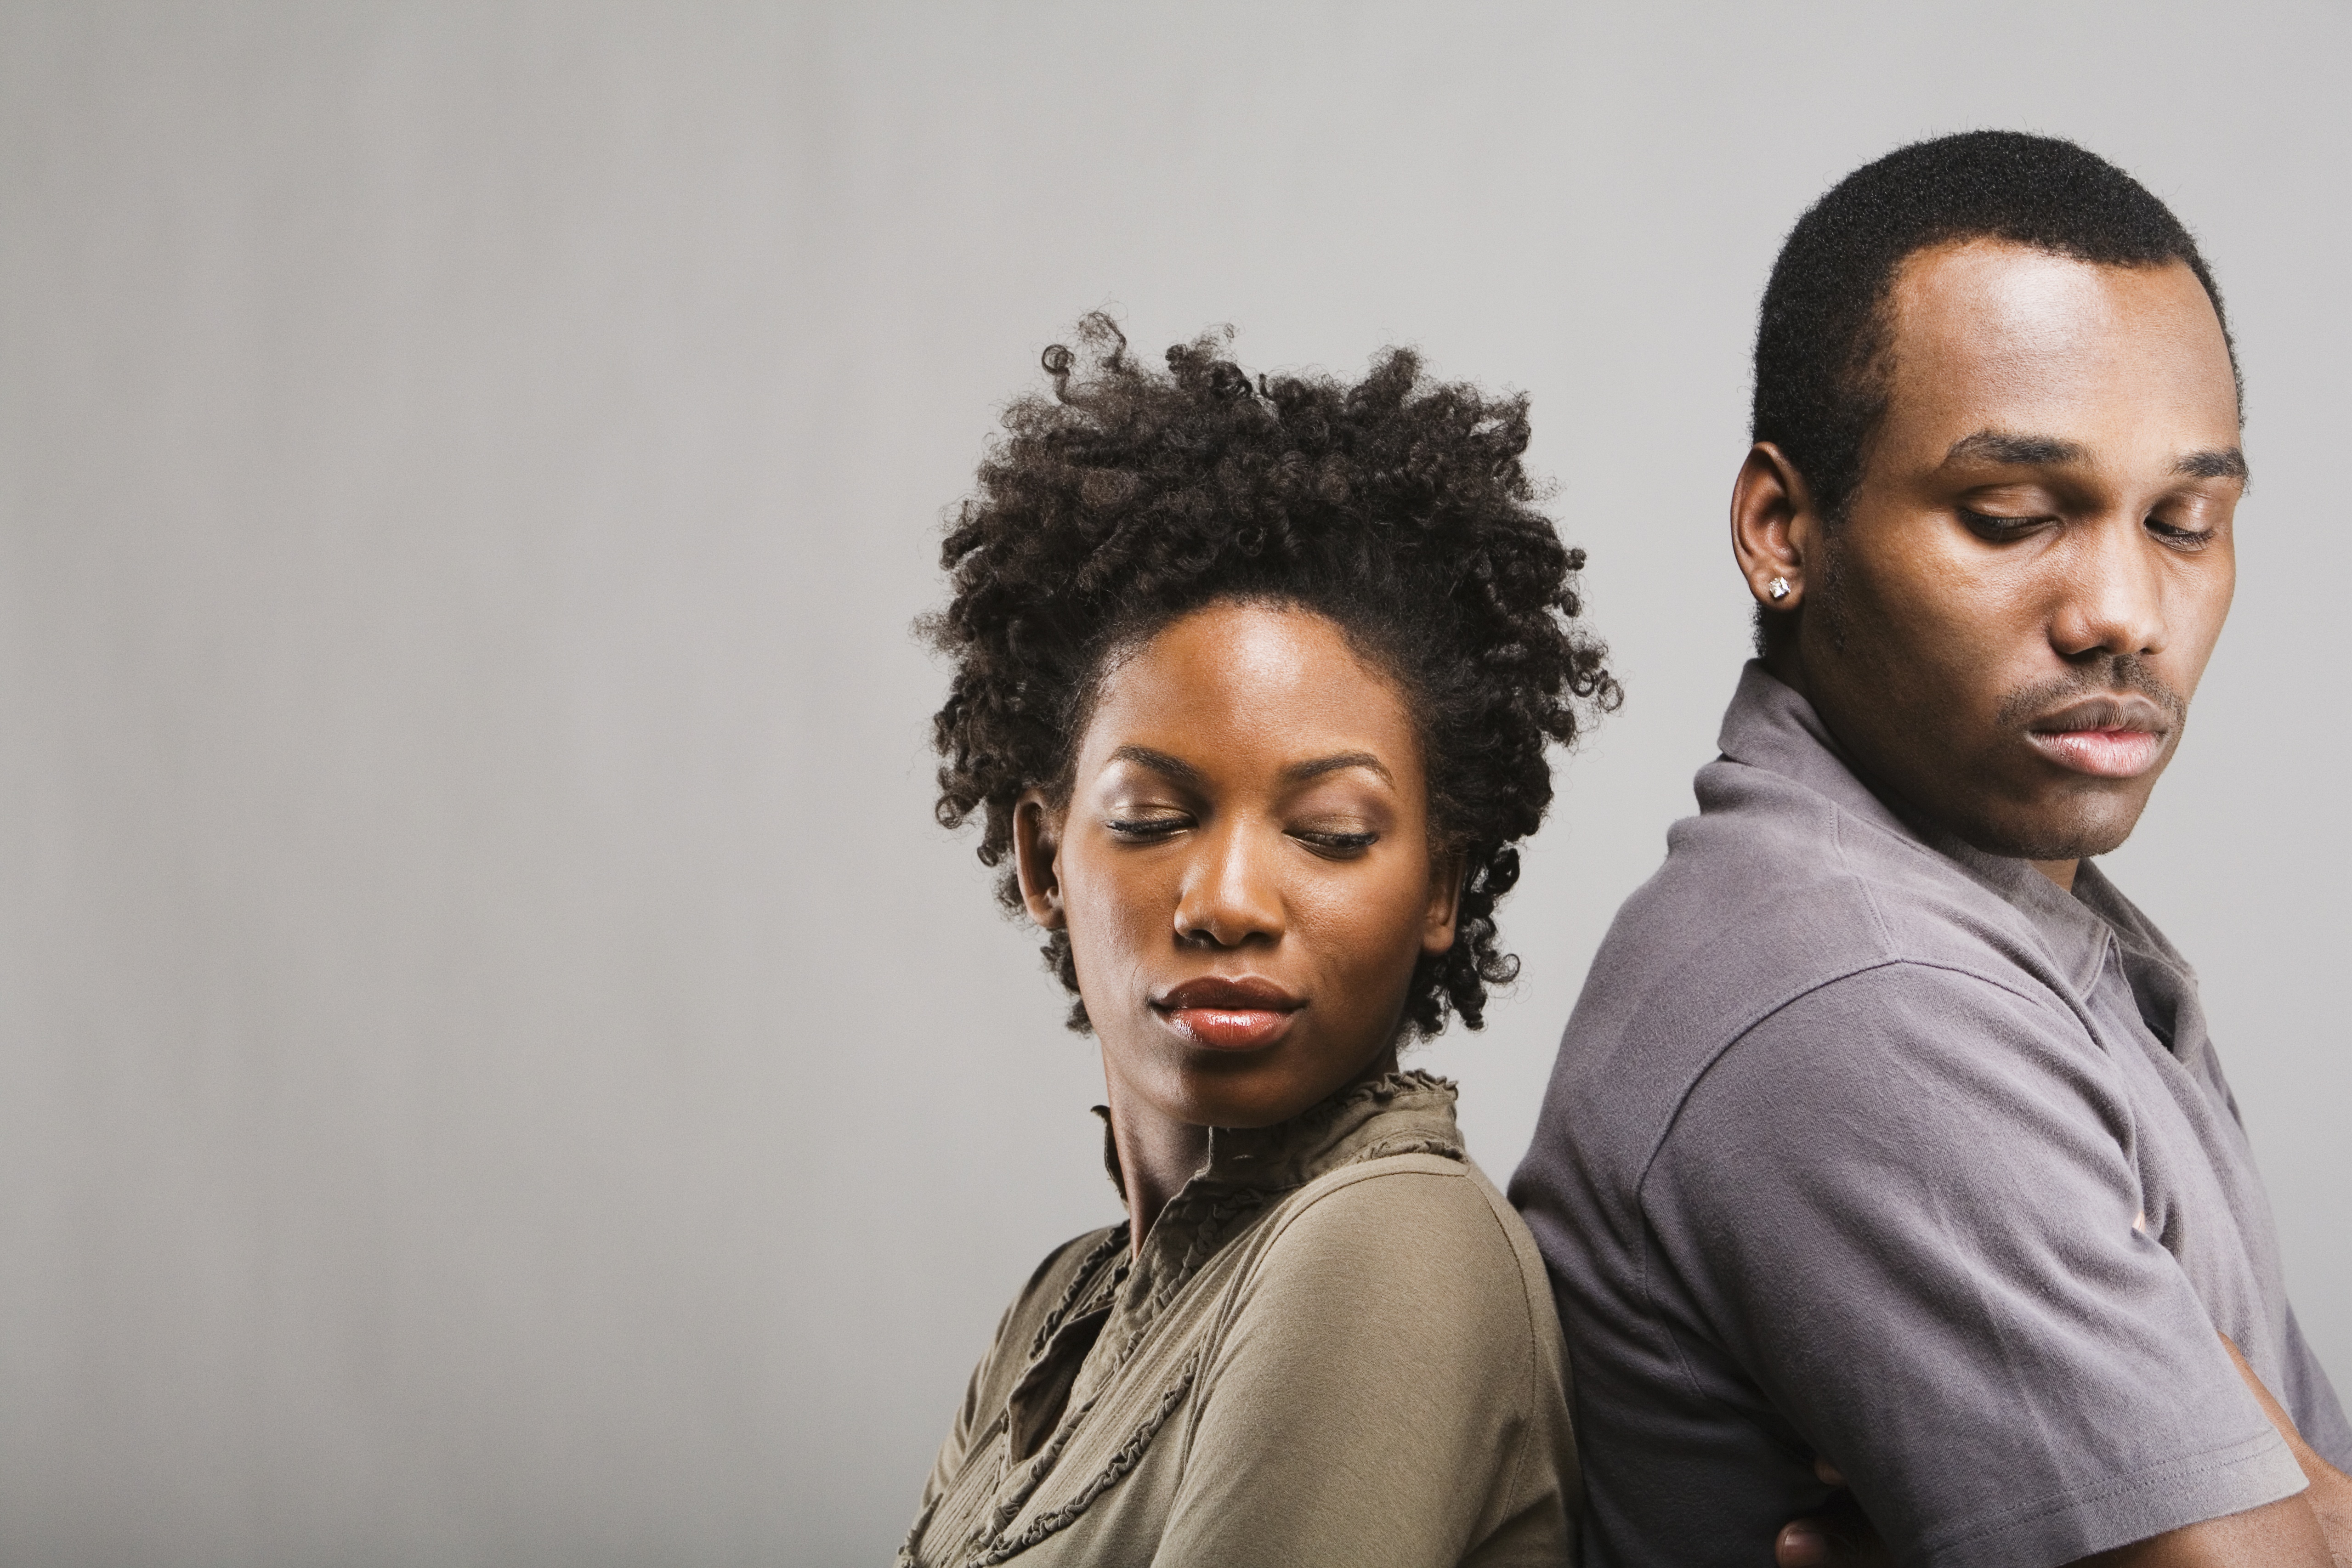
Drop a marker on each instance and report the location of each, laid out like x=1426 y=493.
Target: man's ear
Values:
x=1445 y=874
x=1036 y=858
x=1774 y=529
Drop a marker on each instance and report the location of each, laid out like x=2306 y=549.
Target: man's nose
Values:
x=2112 y=598
x=1229 y=896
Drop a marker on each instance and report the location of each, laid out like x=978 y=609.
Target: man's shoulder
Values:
x=1776 y=890
x=1775 y=894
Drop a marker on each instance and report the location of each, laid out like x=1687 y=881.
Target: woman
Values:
x=1253 y=689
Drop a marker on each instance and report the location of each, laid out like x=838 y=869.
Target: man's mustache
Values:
x=2111 y=676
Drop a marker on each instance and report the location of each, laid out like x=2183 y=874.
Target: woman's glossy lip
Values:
x=1229 y=1013
x=1248 y=993
x=1230 y=1029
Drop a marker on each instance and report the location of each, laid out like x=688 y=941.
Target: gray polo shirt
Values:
x=1867 y=1146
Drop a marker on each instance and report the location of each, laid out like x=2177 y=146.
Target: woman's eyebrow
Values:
x=1299 y=772
x=1159 y=762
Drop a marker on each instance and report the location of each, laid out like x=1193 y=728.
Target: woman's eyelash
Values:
x=1161 y=827
x=1144 y=827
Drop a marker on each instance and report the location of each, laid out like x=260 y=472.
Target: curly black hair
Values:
x=1821 y=331
x=1396 y=507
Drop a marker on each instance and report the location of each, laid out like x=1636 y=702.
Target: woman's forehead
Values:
x=1274 y=678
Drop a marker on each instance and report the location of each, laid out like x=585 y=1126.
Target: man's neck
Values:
x=2060 y=871
x=1782 y=659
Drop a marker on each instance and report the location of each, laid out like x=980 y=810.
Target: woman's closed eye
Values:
x=1147 y=827
x=1337 y=843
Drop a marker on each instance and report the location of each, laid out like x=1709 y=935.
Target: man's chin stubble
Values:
x=2076 y=835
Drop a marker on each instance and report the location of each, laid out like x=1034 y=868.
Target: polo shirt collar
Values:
x=1770 y=726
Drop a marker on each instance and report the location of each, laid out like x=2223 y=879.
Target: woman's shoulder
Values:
x=1403 y=1292
x=1427 y=1231
x=1440 y=1199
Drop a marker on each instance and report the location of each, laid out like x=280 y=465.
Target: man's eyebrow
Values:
x=1299 y=772
x=2224 y=462
x=2008 y=447
x=2039 y=451
x=1159 y=762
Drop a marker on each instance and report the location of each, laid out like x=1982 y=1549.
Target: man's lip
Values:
x=2117 y=737
x=2122 y=710
x=2115 y=753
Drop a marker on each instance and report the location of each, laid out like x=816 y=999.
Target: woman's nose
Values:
x=1229 y=895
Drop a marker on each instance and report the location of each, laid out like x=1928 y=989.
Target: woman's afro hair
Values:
x=1396 y=507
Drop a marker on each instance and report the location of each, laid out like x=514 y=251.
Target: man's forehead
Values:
x=2005 y=353
x=2027 y=298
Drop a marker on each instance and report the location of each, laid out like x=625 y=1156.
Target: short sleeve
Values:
x=1386 y=1393
x=1904 y=1207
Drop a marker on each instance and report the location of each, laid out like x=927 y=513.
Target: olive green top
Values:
x=1337 y=1346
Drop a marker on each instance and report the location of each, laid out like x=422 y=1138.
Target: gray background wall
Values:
x=497 y=1065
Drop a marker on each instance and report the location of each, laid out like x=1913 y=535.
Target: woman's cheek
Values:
x=1115 y=922
x=1373 y=915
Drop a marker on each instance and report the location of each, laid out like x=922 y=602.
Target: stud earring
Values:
x=1778 y=588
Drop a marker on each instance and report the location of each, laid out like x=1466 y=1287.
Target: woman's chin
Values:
x=1209 y=1078
x=1231 y=1090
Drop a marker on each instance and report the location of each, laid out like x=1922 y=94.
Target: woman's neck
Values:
x=1159 y=1154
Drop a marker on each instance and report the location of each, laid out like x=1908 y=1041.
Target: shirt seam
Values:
x=2206 y=1462
x=1297 y=1203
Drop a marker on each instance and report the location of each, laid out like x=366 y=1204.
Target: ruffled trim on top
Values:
x=1401 y=1112
x=1325 y=1135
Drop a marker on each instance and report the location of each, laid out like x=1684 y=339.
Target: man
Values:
x=1886 y=1142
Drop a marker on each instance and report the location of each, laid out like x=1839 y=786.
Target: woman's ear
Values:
x=1445 y=874
x=1036 y=858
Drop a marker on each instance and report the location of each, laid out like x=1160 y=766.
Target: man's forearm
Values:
x=2312 y=1528
x=2281 y=1534
x=2330 y=1497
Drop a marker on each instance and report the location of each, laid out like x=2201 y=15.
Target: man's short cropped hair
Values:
x=1822 y=334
